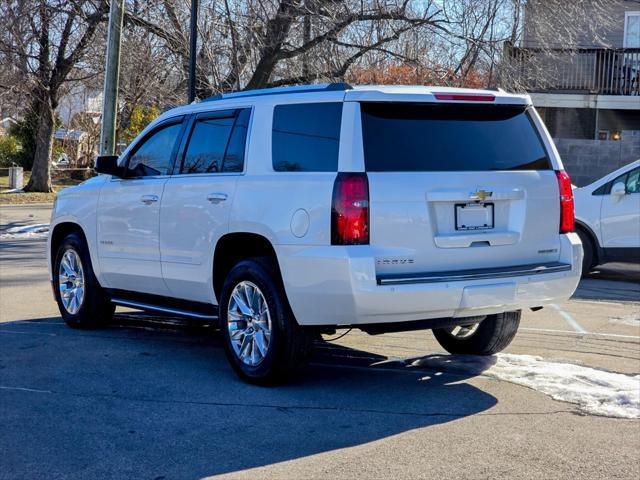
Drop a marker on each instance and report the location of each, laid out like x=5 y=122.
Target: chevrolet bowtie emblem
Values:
x=481 y=195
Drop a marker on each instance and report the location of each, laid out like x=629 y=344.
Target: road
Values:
x=153 y=398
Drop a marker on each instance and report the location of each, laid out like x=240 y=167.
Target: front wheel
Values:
x=263 y=342
x=491 y=335
x=81 y=300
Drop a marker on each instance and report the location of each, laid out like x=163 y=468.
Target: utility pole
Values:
x=111 y=78
x=193 y=43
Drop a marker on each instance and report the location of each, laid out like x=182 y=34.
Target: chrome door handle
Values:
x=217 y=197
x=149 y=199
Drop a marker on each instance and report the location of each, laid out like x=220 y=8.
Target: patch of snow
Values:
x=13 y=190
x=39 y=230
x=594 y=391
x=633 y=320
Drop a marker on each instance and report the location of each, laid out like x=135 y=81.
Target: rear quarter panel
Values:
x=277 y=204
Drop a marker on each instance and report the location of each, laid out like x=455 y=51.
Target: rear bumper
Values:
x=338 y=286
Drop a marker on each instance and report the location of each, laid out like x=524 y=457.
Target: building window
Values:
x=632 y=30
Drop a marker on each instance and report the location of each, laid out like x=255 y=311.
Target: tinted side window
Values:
x=602 y=189
x=217 y=143
x=633 y=181
x=153 y=156
x=620 y=179
x=630 y=179
x=234 y=157
x=404 y=137
x=208 y=142
x=306 y=137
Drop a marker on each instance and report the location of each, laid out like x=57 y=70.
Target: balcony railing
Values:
x=601 y=71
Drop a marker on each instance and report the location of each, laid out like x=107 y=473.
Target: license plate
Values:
x=474 y=216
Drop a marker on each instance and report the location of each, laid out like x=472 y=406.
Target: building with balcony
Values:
x=587 y=88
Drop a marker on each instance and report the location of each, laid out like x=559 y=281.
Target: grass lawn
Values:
x=4 y=179
x=20 y=198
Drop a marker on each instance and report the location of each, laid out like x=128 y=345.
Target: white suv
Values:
x=286 y=213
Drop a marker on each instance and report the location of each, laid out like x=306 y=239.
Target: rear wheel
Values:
x=81 y=300
x=490 y=336
x=262 y=340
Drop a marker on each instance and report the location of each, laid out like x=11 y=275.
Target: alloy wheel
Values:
x=463 y=331
x=71 y=281
x=249 y=323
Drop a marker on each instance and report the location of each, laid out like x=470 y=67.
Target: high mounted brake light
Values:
x=350 y=210
x=466 y=97
x=567 y=216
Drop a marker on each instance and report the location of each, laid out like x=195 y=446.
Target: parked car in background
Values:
x=608 y=218
x=61 y=162
x=286 y=213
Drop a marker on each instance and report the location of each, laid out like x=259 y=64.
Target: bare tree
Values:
x=46 y=41
x=261 y=43
x=267 y=43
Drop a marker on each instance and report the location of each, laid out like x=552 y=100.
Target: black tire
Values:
x=588 y=257
x=493 y=335
x=289 y=344
x=95 y=309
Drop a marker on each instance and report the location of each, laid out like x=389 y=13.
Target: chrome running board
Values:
x=155 y=308
x=479 y=274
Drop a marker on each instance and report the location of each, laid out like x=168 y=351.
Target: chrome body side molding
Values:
x=478 y=274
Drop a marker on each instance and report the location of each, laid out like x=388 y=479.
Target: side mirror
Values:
x=618 y=191
x=108 y=164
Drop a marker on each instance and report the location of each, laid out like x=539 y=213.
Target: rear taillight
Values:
x=350 y=210
x=567 y=218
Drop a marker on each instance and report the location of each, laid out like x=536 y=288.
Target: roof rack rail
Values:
x=325 y=87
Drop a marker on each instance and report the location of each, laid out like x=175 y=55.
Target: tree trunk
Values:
x=40 y=173
x=306 y=38
x=276 y=32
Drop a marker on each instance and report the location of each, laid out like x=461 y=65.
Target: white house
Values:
x=79 y=99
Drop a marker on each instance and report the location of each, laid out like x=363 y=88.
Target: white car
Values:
x=608 y=217
x=286 y=213
x=61 y=162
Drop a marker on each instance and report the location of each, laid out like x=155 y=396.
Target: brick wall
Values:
x=589 y=160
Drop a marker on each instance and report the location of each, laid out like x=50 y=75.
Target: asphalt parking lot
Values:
x=153 y=398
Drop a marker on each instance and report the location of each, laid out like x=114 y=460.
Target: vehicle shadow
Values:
x=611 y=282
x=23 y=250
x=133 y=400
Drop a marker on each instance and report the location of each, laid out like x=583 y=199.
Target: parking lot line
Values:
x=22 y=389
x=28 y=333
x=569 y=319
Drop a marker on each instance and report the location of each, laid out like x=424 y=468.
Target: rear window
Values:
x=405 y=137
x=306 y=137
